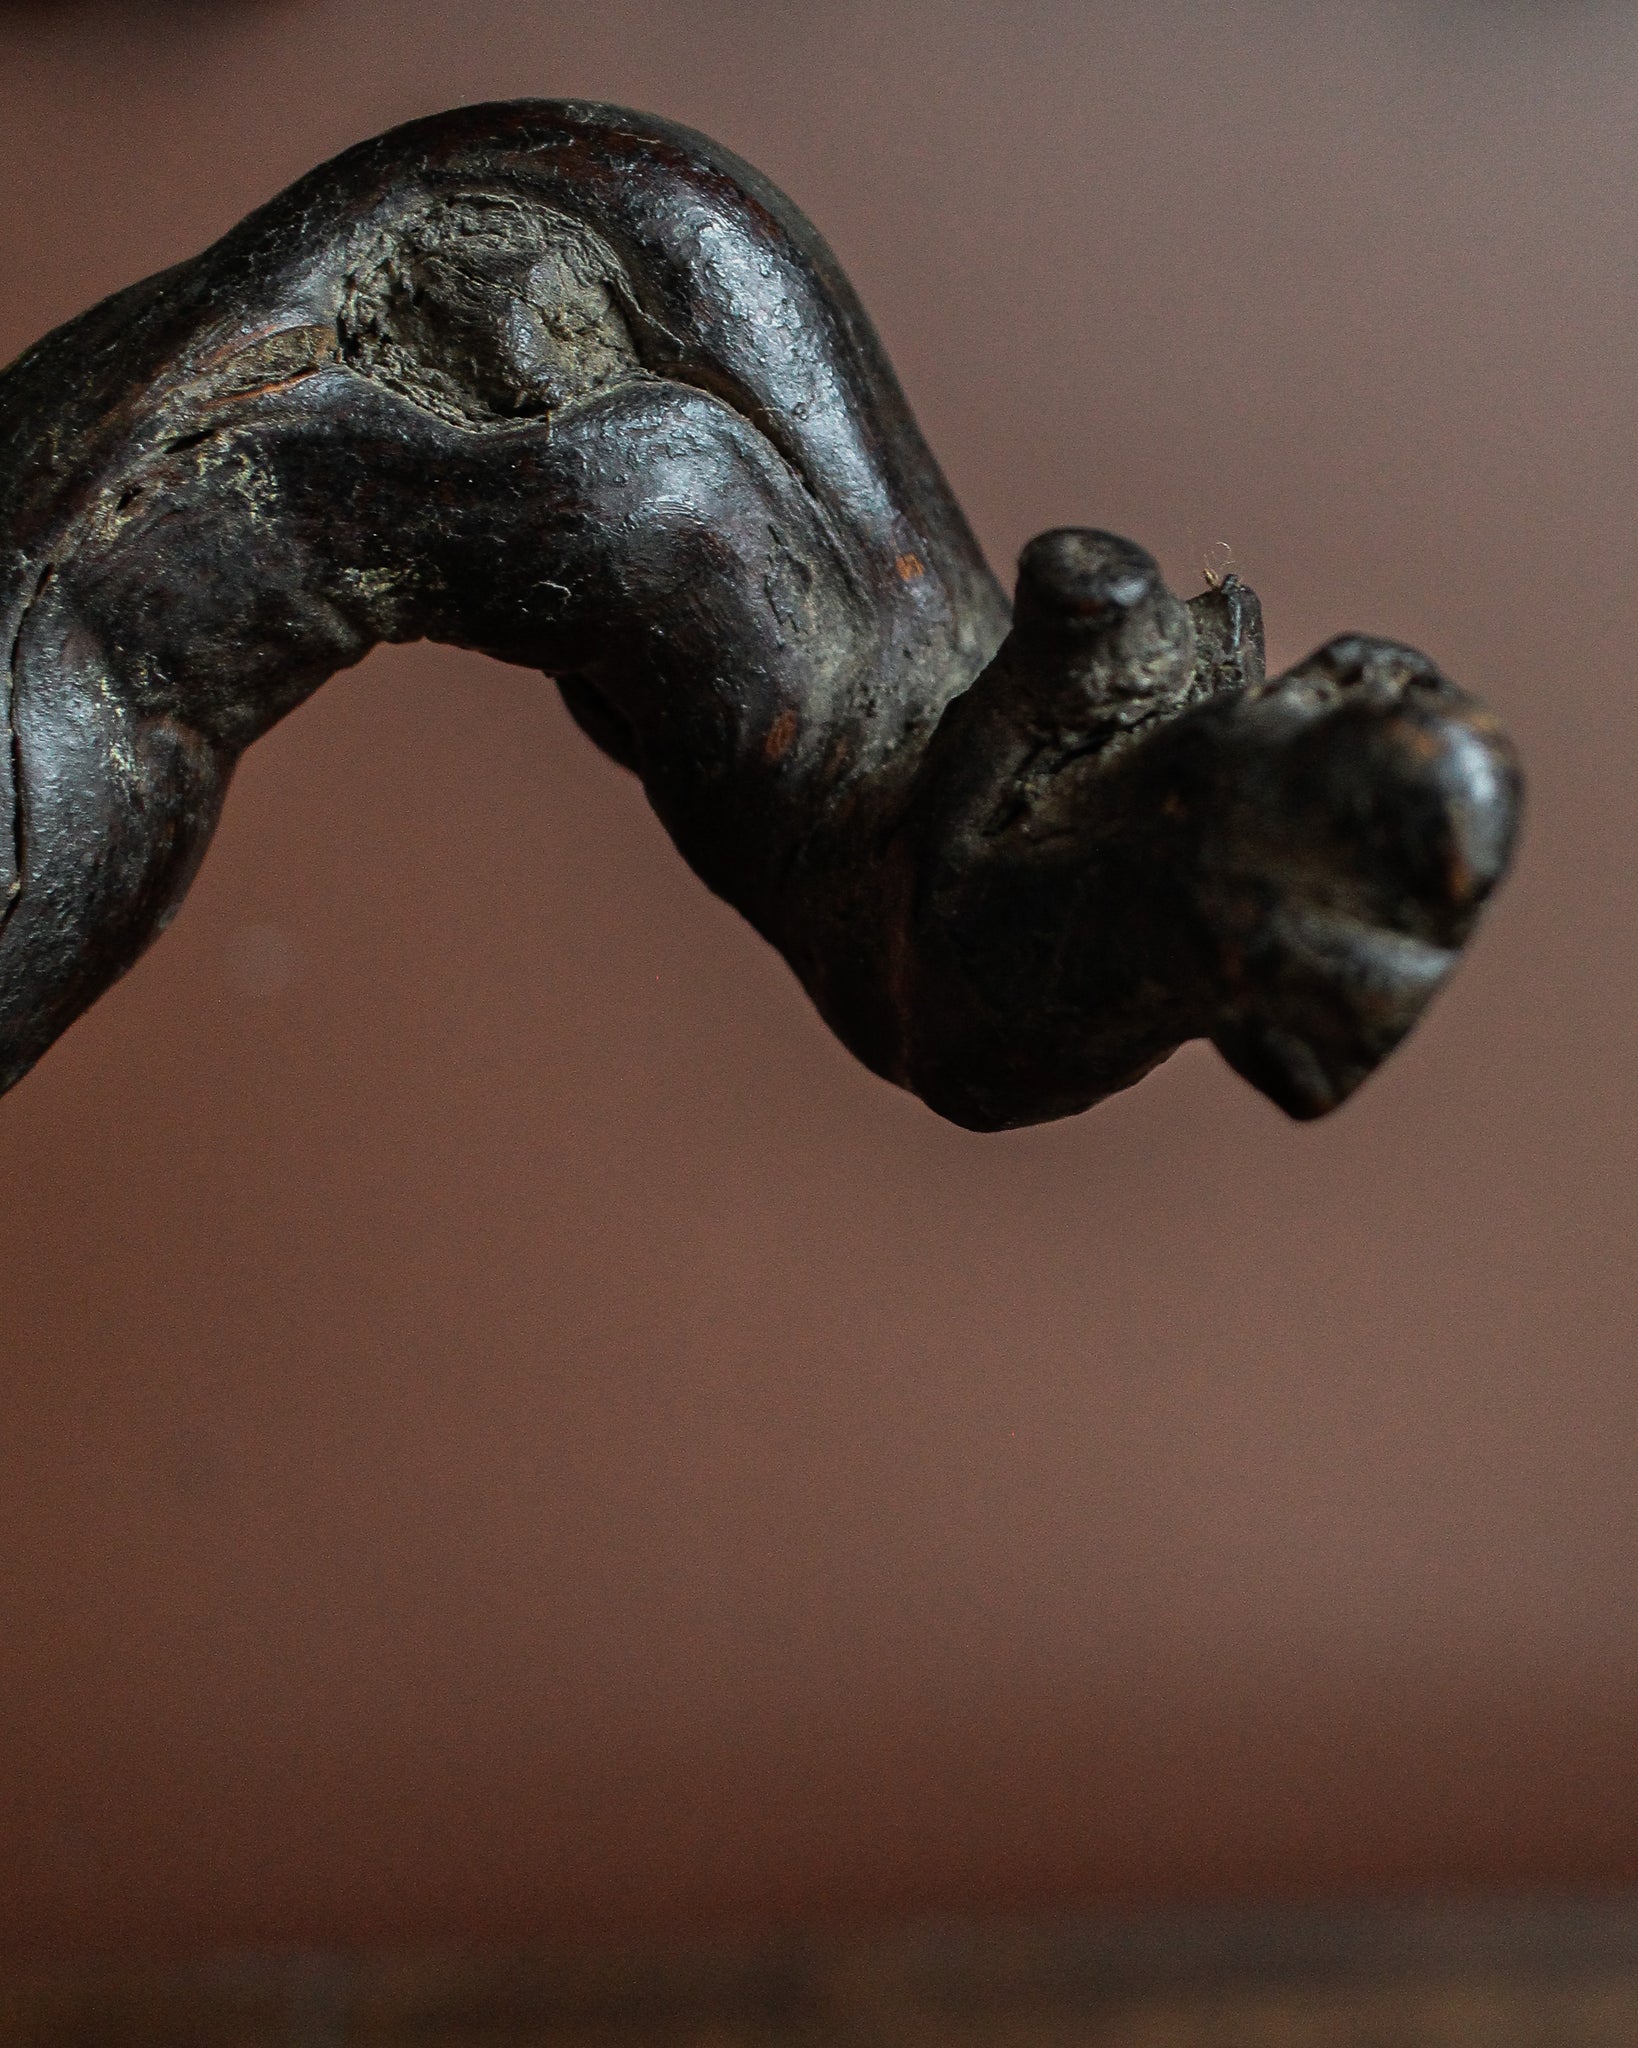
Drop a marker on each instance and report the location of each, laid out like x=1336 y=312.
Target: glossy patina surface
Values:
x=578 y=389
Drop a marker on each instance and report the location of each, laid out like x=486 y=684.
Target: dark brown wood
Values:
x=575 y=387
x=1523 y=1976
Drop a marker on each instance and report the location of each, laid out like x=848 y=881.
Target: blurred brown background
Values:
x=506 y=1433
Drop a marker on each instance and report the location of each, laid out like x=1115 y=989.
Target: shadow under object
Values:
x=576 y=388
x=1514 y=1976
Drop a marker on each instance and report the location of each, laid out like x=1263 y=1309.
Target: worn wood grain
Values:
x=577 y=388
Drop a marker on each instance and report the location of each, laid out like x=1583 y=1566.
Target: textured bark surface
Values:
x=578 y=389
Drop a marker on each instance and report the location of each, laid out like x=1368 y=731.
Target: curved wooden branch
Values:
x=576 y=388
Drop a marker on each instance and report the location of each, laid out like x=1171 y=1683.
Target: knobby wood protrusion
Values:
x=577 y=388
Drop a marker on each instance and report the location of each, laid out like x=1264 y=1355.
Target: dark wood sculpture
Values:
x=577 y=388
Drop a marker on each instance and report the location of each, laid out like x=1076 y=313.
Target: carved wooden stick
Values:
x=579 y=389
